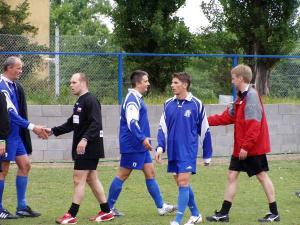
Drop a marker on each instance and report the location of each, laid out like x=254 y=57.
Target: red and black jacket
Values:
x=251 y=131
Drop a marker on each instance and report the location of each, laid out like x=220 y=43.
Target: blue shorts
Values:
x=14 y=148
x=136 y=160
x=181 y=167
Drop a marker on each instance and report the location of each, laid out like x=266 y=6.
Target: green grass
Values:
x=276 y=100
x=50 y=192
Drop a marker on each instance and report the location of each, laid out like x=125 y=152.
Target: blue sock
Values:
x=192 y=203
x=1 y=192
x=114 y=191
x=183 y=199
x=21 y=185
x=154 y=191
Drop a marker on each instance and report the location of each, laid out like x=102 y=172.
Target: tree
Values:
x=259 y=27
x=80 y=17
x=13 y=21
x=151 y=27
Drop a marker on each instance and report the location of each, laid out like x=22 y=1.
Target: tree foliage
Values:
x=259 y=27
x=80 y=17
x=151 y=27
x=13 y=20
x=81 y=30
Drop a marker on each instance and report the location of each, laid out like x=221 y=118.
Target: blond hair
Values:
x=83 y=78
x=243 y=71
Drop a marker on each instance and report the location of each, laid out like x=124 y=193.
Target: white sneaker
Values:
x=174 y=223
x=194 y=220
x=166 y=209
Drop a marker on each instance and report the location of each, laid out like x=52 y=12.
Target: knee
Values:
x=261 y=177
x=3 y=174
x=89 y=180
x=182 y=182
x=150 y=174
x=76 y=180
x=231 y=178
x=123 y=177
x=25 y=168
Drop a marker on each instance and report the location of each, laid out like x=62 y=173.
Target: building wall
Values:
x=39 y=17
x=283 y=120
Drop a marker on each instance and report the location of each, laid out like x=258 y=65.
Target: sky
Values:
x=191 y=14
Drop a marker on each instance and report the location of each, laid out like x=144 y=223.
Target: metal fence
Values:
x=47 y=70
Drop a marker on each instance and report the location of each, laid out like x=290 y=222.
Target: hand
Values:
x=81 y=147
x=243 y=154
x=40 y=132
x=2 y=148
x=158 y=155
x=48 y=131
x=147 y=144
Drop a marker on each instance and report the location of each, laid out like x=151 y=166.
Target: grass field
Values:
x=50 y=192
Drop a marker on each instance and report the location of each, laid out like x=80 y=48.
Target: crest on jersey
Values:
x=187 y=113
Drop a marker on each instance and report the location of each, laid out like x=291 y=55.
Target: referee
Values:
x=86 y=122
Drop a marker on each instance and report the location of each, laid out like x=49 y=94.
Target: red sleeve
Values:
x=224 y=119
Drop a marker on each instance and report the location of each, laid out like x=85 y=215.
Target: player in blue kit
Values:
x=182 y=122
x=18 y=143
x=135 y=145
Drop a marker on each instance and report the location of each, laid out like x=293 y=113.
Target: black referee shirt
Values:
x=86 y=122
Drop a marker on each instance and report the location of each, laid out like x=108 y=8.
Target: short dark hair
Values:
x=136 y=77
x=183 y=77
x=10 y=61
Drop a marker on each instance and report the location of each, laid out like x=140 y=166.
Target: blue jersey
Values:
x=16 y=121
x=181 y=123
x=134 y=124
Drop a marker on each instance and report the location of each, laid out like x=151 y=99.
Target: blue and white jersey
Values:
x=16 y=121
x=181 y=123
x=134 y=124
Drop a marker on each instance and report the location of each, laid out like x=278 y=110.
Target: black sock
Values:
x=273 y=208
x=225 y=207
x=74 y=209
x=105 y=207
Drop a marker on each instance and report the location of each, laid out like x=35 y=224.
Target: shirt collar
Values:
x=246 y=89
x=6 y=79
x=135 y=92
x=187 y=98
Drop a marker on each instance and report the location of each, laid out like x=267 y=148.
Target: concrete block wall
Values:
x=283 y=120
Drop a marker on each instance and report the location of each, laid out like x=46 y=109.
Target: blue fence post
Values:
x=235 y=61
x=120 y=77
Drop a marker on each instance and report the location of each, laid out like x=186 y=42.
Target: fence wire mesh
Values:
x=210 y=76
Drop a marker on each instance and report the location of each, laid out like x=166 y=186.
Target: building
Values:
x=39 y=17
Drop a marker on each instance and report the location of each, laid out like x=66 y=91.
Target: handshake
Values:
x=42 y=131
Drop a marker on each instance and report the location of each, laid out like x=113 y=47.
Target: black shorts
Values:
x=86 y=164
x=252 y=165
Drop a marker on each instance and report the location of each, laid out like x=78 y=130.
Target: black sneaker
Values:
x=297 y=194
x=116 y=212
x=5 y=215
x=218 y=217
x=269 y=217
x=27 y=212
